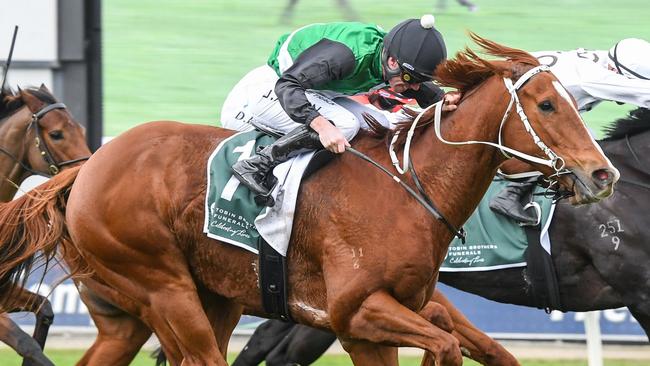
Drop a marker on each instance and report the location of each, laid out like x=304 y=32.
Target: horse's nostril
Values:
x=603 y=177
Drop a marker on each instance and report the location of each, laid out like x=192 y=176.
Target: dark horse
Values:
x=135 y=212
x=29 y=145
x=598 y=251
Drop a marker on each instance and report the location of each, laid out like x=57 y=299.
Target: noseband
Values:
x=54 y=167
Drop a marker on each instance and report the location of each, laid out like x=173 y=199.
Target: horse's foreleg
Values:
x=474 y=343
x=223 y=315
x=364 y=353
x=303 y=346
x=42 y=309
x=22 y=343
x=381 y=319
x=642 y=314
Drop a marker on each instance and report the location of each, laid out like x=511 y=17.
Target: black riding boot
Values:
x=253 y=171
x=508 y=202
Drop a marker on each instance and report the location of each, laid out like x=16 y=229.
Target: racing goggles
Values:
x=412 y=77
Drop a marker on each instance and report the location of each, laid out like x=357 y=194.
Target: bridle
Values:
x=54 y=167
x=554 y=161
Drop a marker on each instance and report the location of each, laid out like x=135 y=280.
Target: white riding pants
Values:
x=253 y=102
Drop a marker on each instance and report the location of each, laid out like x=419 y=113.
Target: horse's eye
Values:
x=546 y=106
x=56 y=135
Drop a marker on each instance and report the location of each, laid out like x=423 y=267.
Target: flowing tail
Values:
x=31 y=229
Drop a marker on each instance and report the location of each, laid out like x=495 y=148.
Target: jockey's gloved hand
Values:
x=451 y=100
x=330 y=136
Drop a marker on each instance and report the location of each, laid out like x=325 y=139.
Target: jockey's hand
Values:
x=330 y=136
x=451 y=100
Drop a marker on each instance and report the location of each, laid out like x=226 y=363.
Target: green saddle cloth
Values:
x=230 y=208
x=493 y=240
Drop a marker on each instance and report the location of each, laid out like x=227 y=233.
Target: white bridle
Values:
x=554 y=161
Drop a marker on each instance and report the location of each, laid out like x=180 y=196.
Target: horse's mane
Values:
x=635 y=122
x=467 y=70
x=11 y=102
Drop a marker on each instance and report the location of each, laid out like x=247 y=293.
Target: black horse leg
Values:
x=641 y=313
x=22 y=343
x=263 y=340
x=302 y=346
x=44 y=318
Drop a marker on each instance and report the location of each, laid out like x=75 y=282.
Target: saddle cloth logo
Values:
x=230 y=208
x=493 y=240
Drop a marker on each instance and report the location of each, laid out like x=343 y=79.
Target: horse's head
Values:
x=53 y=139
x=541 y=124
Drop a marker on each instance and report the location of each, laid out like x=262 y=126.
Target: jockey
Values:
x=621 y=74
x=293 y=93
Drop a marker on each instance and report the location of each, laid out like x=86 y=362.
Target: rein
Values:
x=53 y=166
x=422 y=197
x=638 y=161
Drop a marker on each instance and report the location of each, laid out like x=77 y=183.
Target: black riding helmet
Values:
x=418 y=48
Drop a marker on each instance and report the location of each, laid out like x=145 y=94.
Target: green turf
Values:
x=70 y=357
x=178 y=59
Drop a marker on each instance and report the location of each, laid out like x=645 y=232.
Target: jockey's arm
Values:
x=319 y=64
x=618 y=88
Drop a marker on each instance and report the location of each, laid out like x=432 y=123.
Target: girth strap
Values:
x=273 y=281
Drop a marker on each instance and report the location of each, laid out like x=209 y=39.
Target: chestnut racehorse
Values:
x=364 y=255
x=34 y=146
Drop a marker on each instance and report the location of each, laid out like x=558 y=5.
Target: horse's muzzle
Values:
x=591 y=187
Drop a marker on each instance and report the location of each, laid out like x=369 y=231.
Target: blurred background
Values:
x=119 y=63
x=179 y=59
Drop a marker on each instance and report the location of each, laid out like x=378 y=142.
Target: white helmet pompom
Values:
x=427 y=21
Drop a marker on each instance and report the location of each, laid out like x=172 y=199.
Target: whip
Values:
x=8 y=63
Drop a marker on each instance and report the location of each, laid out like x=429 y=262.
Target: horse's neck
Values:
x=12 y=139
x=631 y=159
x=457 y=177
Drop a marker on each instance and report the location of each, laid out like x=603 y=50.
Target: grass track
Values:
x=70 y=357
x=178 y=59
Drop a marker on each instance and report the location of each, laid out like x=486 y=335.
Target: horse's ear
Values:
x=44 y=88
x=30 y=100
